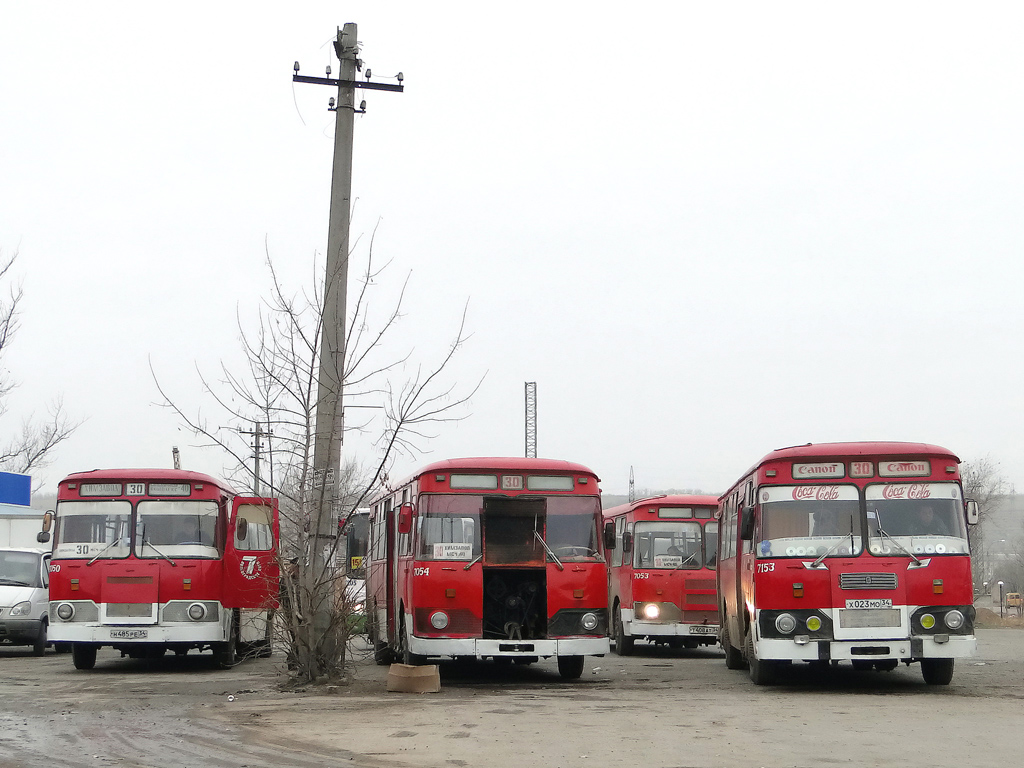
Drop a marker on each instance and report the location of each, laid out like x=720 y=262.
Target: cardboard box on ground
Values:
x=403 y=678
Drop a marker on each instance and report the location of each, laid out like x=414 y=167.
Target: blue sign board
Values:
x=15 y=489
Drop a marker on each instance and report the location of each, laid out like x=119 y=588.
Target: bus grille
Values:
x=695 y=584
x=867 y=581
x=125 y=610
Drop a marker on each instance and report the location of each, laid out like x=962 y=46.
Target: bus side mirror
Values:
x=747 y=523
x=627 y=541
x=972 y=512
x=405 y=518
x=44 y=535
x=241 y=528
x=609 y=535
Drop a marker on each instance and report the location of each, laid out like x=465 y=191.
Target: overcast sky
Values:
x=705 y=230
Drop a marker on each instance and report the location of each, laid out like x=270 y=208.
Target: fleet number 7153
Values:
x=765 y=567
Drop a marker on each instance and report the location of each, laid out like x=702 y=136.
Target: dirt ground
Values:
x=658 y=708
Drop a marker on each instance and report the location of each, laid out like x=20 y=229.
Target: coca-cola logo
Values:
x=915 y=491
x=816 y=493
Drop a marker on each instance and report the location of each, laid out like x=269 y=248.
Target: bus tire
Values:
x=39 y=646
x=225 y=655
x=405 y=655
x=83 y=655
x=761 y=672
x=570 y=667
x=937 y=671
x=623 y=644
x=733 y=656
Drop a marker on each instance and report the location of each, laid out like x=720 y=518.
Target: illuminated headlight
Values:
x=22 y=609
x=813 y=623
x=954 y=619
x=65 y=611
x=651 y=611
x=439 y=619
x=197 y=611
x=927 y=621
x=589 y=621
x=785 y=623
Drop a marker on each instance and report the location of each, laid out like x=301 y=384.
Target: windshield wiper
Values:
x=833 y=548
x=685 y=561
x=548 y=550
x=14 y=583
x=898 y=545
x=476 y=559
x=111 y=543
x=147 y=543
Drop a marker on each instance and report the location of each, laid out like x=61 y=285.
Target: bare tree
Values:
x=278 y=387
x=32 y=446
x=984 y=483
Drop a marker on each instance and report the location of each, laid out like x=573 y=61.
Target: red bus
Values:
x=489 y=558
x=847 y=552
x=661 y=556
x=151 y=560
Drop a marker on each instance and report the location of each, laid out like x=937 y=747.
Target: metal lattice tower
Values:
x=632 y=494
x=531 y=420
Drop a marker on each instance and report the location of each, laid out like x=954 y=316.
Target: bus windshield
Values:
x=449 y=527
x=92 y=529
x=176 y=528
x=918 y=518
x=668 y=544
x=809 y=521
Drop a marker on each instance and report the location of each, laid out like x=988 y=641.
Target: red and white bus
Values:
x=847 y=552
x=661 y=556
x=151 y=560
x=489 y=558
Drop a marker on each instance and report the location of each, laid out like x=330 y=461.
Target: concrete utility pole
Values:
x=257 y=446
x=329 y=410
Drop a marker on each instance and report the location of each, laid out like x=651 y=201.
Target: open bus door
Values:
x=251 y=573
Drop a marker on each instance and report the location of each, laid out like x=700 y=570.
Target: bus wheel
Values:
x=407 y=656
x=225 y=655
x=761 y=672
x=84 y=655
x=570 y=667
x=39 y=646
x=623 y=644
x=733 y=657
x=937 y=671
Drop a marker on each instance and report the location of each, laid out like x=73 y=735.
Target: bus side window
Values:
x=618 y=556
x=258 y=530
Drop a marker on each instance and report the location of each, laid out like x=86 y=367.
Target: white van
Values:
x=24 y=597
x=24 y=579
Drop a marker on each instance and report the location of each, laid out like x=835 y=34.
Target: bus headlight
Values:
x=197 y=611
x=651 y=611
x=589 y=621
x=22 y=609
x=953 y=619
x=813 y=623
x=785 y=623
x=439 y=619
x=927 y=621
x=65 y=611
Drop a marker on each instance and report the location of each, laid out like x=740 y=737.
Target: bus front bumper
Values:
x=904 y=649
x=479 y=648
